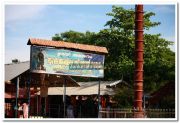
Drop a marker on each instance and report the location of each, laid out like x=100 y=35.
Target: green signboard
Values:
x=66 y=62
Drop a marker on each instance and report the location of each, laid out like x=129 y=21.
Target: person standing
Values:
x=79 y=107
x=25 y=110
x=70 y=112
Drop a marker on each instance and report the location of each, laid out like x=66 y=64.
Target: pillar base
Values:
x=139 y=114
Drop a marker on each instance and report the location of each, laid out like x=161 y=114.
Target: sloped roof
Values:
x=86 y=88
x=14 y=69
x=68 y=45
x=167 y=89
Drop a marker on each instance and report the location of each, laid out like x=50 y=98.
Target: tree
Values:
x=76 y=37
x=118 y=38
x=57 y=37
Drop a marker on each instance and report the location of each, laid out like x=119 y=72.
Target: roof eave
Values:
x=98 y=52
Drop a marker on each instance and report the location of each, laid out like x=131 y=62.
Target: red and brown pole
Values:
x=138 y=74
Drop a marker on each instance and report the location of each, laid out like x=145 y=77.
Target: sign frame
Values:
x=99 y=75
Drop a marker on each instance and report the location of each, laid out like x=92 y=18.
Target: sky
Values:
x=43 y=21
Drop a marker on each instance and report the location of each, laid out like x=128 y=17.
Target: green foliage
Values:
x=57 y=37
x=124 y=97
x=159 y=62
x=118 y=38
x=76 y=37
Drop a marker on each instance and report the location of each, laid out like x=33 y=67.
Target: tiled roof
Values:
x=68 y=45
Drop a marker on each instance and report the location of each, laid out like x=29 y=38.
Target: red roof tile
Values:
x=68 y=45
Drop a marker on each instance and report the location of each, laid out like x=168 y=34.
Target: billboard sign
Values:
x=66 y=62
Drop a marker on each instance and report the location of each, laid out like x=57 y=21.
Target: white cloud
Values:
x=22 y=12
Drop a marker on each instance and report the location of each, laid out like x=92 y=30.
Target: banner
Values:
x=66 y=62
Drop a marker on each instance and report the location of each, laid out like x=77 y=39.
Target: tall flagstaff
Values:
x=138 y=74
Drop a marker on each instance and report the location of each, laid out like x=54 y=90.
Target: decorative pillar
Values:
x=138 y=73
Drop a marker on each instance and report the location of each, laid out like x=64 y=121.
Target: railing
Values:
x=56 y=111
x=115 y=113
x=129 y=113
x=160 y=113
